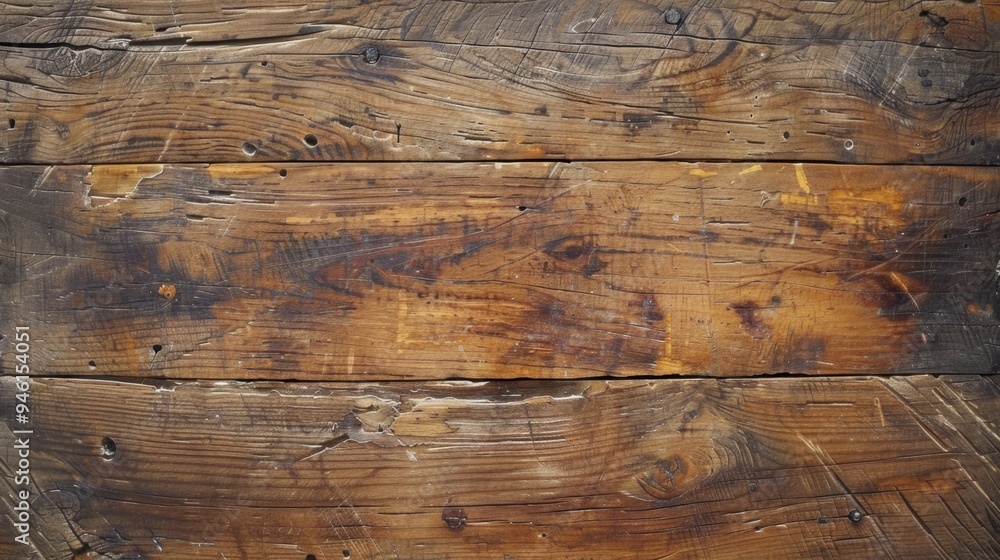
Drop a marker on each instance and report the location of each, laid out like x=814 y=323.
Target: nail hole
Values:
x=108 y=448
x=522 y=208
x=310 y=557
x=310 y=141
x=544 y=536
x=785 y=135
x=283 y=172
x=157 y=348
x=11 y=123
x=728 y=132
x=971 y=142
x=963 y=201
x=752 y=487
x=249 y=149
x=751 y=115
x=965 y=245
x=855 y=516
x=347 y=553
x=263 y=63
x=848 y=144
x=92 y=364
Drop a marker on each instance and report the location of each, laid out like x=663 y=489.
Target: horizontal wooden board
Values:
x=646 y=469
x=327 y=271
x=962 y=25
x=518 y=86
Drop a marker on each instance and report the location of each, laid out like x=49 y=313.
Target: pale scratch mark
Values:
x=899 y=76
x=752 y=169
x=915 y=415
x=989 y=430
x=567 y=190
x=795 y=230
x=578 y=24
x=326 y=446
x=878 y=407
x=555 y=170
x=905 y=289
x=228 y=225
x=350 y=361
x=41 y=180
x=819 y=453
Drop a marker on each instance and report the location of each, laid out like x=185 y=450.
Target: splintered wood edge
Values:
x=863 y=467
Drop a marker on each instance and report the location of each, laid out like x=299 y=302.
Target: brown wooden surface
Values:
x=869 y=83
x=502 y=270
x=962 y=25
x=307 y=280
x=642 y=469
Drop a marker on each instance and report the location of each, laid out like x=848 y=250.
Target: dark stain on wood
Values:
x=749 y=320
x=915 y=265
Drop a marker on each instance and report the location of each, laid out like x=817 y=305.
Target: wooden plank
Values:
x=670 y=468
x=969 y=26
x=500 y=270
x=474 y=89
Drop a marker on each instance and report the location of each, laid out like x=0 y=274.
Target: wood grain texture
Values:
x=501 y=270
x=962 y=25
x=644 y=469
x=492 y=81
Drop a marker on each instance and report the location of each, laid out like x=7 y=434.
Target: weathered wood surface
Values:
x=234 y=347
x=501 y=270
x=643 y=469
x=548 y=23
x=870 y=83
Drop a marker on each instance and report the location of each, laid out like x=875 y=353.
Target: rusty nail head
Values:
x=370 y=54
x=855 y=516
x=674 y=16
